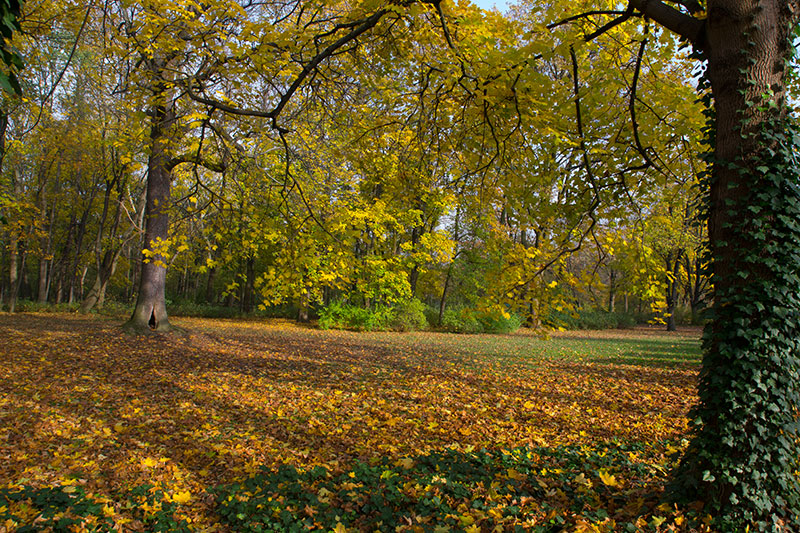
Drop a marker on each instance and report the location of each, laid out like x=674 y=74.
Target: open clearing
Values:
x=97 y=413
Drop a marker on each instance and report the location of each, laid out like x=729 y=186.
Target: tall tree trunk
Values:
x=76 y=280
x=150 y=312
x=41 y=293
x=673 y=267
x=105 y=270
x=413 y=275
x=15 y=233
x=743 y=457
x=209 y=292
x=248 y=287
x=303 y=308
x=612 y=289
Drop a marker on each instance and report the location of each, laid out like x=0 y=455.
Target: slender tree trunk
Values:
x=413 y=275
x=41 y=293
x=212 y=276
x=612 y=290
x=76 y=281
x=673 y=267
x=302 y=312
x=443 y=300
x=248 y=287
x=15 y=233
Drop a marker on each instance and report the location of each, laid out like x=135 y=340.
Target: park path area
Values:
x=82 y=403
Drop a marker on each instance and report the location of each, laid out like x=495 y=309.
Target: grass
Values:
x=172 y=431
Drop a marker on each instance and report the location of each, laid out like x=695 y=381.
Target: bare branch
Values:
x=632 y=108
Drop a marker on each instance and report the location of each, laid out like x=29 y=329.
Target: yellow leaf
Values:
x=324 y=495
x=108 y=510
x=149 y=462
x=664 y=507
x=406 y=463
x=339 y=528
x=182 y=497
x=607 y=478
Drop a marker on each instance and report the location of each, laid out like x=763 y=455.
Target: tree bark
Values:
x=673 y=268
x=743 y=453
x=104 y=272
x=14 y=236
x=150 y=312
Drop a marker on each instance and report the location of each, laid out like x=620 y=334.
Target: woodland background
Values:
x=448 y=164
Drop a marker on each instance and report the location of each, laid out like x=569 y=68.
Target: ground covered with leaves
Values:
x=267 y=426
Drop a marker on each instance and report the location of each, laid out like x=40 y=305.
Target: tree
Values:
x=743 y=454
x=9 y=15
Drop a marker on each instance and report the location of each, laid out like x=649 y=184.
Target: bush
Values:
x=190 y=308
x=460 y=321
x=409 y=316
x=466 y=320
x=432 y=315
x=589 y=319
x=340 y=315
x=114 y=308
x=404 y=316
x=30 y=306
x=500 y=323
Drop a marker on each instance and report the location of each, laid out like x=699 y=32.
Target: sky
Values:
x=488 y=4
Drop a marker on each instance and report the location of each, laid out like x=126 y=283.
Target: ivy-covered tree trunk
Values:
x=150 y=312
x=743 y=456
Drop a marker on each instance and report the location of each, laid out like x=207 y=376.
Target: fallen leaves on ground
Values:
x=140 y=432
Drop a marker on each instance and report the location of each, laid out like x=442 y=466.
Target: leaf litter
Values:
x=268 y=426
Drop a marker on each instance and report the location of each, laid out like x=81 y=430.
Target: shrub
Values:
x=467 y=320
x=114 y=308
x=500 y=322
x=404 y=316
x=588 y=319
x=460 y=321
x=30 y=306
x=190 y=308
x=340 y=315
x=432 y=315
x=409 y=316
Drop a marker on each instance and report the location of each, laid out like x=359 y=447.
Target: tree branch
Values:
x=365 y=25
x=214 y=166
x=685 y=26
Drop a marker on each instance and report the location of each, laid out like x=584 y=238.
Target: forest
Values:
x=235 y=177
x=445 y=161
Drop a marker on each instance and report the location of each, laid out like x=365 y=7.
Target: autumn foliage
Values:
x=267 y=426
